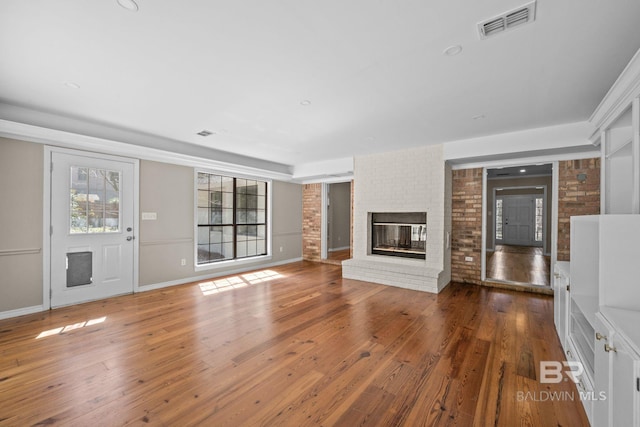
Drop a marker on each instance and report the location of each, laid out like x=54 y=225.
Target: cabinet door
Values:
x=561 y=308
x=623 y=385
x=602 y=374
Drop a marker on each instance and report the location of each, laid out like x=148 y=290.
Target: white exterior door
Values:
x=518 y=213
x=92 y=220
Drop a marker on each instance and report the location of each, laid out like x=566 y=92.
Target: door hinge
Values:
x=568 y=288
x=50 y=292
x=51 y=167
x=51 y=230
x=638 y=383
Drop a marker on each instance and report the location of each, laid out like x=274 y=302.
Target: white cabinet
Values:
x=617 y=368
x=561 y=300
x=605 y=261
x=604 y=303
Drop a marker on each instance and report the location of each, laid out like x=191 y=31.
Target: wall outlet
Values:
x=183 y=262
x=468 y=258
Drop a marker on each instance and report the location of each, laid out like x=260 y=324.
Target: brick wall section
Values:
x=311 y=221
x=576 y=198
x=466 y=225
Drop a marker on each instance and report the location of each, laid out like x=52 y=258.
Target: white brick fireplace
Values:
x=416 y=180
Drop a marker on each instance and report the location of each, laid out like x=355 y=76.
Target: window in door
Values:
x=94 y=196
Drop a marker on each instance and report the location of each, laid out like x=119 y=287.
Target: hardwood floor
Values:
x=336 y=257
x=520 y=264
x=294 y=345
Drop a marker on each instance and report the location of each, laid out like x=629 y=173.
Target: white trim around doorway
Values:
x=46 y=218
x=554 y=214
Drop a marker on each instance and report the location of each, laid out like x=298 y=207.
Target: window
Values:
x=539 y=216
x=498 y=219
x=232 y=218
x=94 y=196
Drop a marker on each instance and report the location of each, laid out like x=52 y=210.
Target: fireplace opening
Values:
x=401 y=234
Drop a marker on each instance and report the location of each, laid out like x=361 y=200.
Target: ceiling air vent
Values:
x=508 y=20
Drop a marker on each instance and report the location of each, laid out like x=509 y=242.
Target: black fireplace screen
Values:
x=399 y=234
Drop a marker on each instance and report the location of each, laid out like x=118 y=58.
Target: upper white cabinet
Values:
x=605 y=261
x=618 y=165
x=617 y=123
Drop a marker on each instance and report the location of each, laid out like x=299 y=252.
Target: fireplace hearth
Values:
x=399 y=234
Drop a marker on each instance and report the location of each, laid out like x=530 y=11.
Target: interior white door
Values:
x=518 y=216
x=92 y=219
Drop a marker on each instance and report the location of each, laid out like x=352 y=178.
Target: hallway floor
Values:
x=521 y=264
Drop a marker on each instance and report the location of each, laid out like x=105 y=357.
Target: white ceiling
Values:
x=373 y=71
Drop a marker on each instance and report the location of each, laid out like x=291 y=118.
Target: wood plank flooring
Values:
x=519 y=264
x=336 y=257
x=295 y=345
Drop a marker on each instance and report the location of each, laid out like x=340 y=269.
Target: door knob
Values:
x=608 y=348
x=129 y=228
x=129 y=238
x=599 y=336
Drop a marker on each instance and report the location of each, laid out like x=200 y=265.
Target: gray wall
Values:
x=165 y=189
x=168 y=190
x=21 y=193
x=339 y=214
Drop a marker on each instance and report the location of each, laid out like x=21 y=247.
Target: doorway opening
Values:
x=518 y=225
x=336 y=228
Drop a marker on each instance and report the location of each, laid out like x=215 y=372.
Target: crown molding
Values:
x=619 y=97
x=47 y=136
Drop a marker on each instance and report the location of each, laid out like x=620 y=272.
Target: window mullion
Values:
x=235 y=225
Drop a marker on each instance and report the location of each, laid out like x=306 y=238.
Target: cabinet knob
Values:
x=608 y=348
x=599 y=336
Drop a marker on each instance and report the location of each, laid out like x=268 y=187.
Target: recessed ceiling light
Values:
x=72 y=85
x=478 y=117
x=305 y=102
x=523 y=170
x=452 y=50
x=129 y=5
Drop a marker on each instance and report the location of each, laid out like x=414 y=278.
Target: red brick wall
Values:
x=576 y=198
x=466 y=225
x=311 y=221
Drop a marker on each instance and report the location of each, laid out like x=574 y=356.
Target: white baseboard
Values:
x=339 y=249
x=245 y=269
x=21 y=311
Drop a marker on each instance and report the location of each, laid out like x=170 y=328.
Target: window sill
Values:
x=233 y=263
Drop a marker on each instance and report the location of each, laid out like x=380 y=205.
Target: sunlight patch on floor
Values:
x=68 y=328
x=241 y=281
